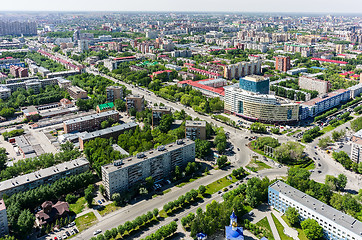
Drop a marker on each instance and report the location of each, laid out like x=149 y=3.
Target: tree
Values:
x=102 y=189
x=202 y=189
x=25 y=222
x=324 y=142
x=221 y=161
x=292 y=215
x=178 y=173
x=155 y=212
x=312 y=229
x=149 y=182
x=275 y=130
x=342 y=181
x=258 y=127
x=117 y=198
x=71 y=198
x=3 y=158
x=202 y=148
x=120 y=105
x=88 y=195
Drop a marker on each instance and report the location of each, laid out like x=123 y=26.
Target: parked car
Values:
x=64 y=236
x=100 y=202
x=103 y=201
x=71 y=224
x=97 y=232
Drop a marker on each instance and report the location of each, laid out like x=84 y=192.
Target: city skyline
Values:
x=278 y=6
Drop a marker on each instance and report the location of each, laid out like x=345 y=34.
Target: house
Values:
x=51 y=212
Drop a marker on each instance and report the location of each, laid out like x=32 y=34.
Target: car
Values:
x=103 y=201
x=72 y=232
x=175 y=219
x=168 y=181
x=99 y=201
x=64 y=236
x=97 y=232
x=59 y=237
x=55 y=238
x=66 y=232
x=71 y=224
x=219 y=192
x=251 y=213
x=319 y=171
x=238 y=149
x=75 y=230
x=319 y=165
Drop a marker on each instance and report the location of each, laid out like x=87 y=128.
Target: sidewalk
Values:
x=287 y=230
x=272 y=226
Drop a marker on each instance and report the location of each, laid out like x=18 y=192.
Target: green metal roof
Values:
x=106 y=106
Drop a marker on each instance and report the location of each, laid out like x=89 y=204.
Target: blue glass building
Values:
x=256 y=84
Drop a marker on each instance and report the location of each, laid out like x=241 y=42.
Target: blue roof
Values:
x=319 y=68
x=201 y=235
x=263 y=238
x=233 y=216
x=231 y=234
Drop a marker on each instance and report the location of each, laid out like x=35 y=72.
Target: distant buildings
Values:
x=4 y=228
x=195 y=130
x=83 y=45
x=304 y=50
x=112 y=64
x=181 y=53
x=135 y=101
x=89 y=123
x=204 y=72
x=122 y=175
x=4 y=92
x=242 y=69
x=339 y=48
x=322 y=60
x=113 y=93
x=157 y=113
x=282 y=63
x=77 y=93
x=209 y=87
x=314 y=84
x=43 y=176
x=336 y=224
x=18 y=28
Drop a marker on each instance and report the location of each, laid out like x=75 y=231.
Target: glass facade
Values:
x=255 y=86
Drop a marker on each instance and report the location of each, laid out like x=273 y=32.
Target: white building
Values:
x=336 y=224
x=83 y=45
x=4 y=92
x=356 y=151
x=159 y=163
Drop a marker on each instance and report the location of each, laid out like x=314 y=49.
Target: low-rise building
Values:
x=77 y=93
x=4 y=228
x=90 y=122
x=159 y=163
x=157 y=113
x=43 y=176
x=113 y=132
x=105 y=107
x=336 y=224
x=195 y=130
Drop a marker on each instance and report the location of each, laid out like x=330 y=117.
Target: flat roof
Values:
x=42 y=173
x=323 y=209
x=161 y=108
x=100 y=133
x=90 y=117
x=126 y=162
x=195 y=123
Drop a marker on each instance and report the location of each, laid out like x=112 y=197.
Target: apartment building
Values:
x=113 y=132
x=195 y=130
x=113 y=93
x=18 y=72
x=43 y=176
x=77 y=93
x=159 y=163
x=339 y=48
x=282 y=63
x=4 y=92
x=18 y=28
x=89 y=123
x=305 y=50
x=135 y=101
x=356 y=151
x=242 y=69
x=336 y=224
x=157 y=113
x=355 y=90
x=29 y=83
x=4 y=228
x=314 y=84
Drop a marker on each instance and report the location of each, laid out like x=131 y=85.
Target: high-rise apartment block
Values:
x=113 y=93
x=159 y=163
x=157 y=113
x=314 y=84
x=4 y=229
x=336 y=224
x=339 y=48
x=241 y=69
x=356 y=151
x=195 y=130
x=83 y=45
x=135 y=101
x=17 y=28
x=282 y=63
x=89 y=123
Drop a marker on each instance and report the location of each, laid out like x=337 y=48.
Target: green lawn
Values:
x=189 y=181
x=108 y=209
x=219 y=184
x=301 y=234
x=86 y=221
x=280 y=229
x=264 y=223
x=79 y=206
x=256 y=165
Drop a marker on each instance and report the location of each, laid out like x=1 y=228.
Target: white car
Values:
x=97 y=232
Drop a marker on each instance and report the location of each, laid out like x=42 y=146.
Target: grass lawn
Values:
x=256 y=165
x=264 y=223
x=189 y=181
x=280 y=229
x=301 y=234
x=219 y=184
x=86 y=221
x=163 y=214
x=108 y=209
x=79 y=206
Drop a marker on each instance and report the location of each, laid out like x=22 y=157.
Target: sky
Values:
x=303 y=6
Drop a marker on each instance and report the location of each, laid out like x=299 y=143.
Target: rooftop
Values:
x=106 y=131
x=106 y=106
x=323 y=209
x=42 y=173
x=195 y=123
x=90 y=117
x=126 y=162
x=327 y=96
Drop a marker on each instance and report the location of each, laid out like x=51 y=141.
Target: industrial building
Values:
x=159 y=163
x=336 y=224
x=43 y=176
x=89 y=123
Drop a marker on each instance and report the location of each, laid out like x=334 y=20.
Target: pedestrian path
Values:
x=287 y=230
x=272 y=226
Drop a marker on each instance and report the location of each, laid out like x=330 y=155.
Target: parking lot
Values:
x=63 y=233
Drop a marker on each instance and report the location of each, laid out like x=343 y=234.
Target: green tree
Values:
x=312 y=229
x=25 y=222
x=149 y=182
x=324 y=142
x=88 y=195
x=117 y=198
x=292 y=215
x=342 y=181
x=202 y=189
x=221 y=161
